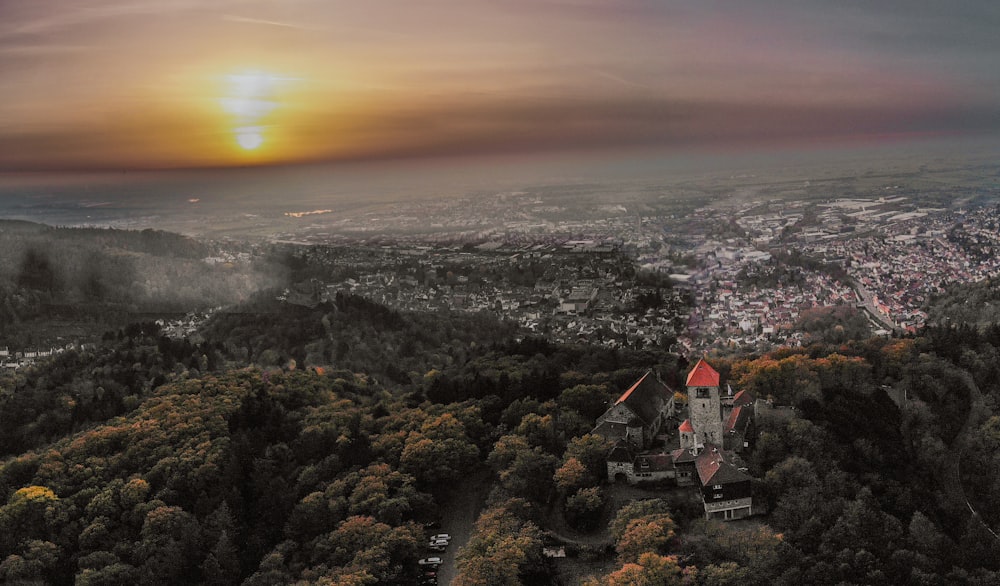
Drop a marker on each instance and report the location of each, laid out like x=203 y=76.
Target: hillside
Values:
x=310 y=445
x=59 y=284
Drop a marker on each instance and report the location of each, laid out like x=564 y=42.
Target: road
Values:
x=868 y=304
x=458 y=516
x=953 y=486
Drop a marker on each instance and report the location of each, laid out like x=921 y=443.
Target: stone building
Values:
x=638 y=414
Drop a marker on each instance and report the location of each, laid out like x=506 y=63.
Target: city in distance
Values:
x=479 y=293
x=540 y=333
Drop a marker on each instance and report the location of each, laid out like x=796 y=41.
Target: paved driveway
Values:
x=458 y=516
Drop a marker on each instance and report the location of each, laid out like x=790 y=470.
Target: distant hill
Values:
x=92 y=279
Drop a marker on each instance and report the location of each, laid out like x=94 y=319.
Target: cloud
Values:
x=261 y=21
x=43 y=49
x=56 y=17
x=616 y=78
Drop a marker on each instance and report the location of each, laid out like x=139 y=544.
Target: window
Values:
x=717 y=487
x=717 y=495
x=702 y=393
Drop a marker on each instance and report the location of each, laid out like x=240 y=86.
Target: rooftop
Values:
x=703 y=375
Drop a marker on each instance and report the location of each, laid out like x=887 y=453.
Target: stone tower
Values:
x=705 y=404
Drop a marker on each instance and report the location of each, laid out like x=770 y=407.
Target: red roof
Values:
x=733 y=418
x=686 y=427
x=742 y=398
x=626 y=394
x=713 y=468
x=703 y=375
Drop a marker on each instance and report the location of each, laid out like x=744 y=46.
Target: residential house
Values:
x=725 y=487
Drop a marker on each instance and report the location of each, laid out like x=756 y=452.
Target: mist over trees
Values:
x=100 y=277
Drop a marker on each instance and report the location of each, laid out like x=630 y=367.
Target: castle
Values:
x=724 y=422
x=717 y=429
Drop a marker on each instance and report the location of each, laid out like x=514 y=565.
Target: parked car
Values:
x=438 y=543
x=432 y=561
x=440 y=536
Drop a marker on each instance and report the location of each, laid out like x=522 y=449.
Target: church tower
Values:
x=705 y=404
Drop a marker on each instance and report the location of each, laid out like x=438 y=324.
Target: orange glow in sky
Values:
x=149 y=84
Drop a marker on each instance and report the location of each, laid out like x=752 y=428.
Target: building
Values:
x=638 y=414
x=725 y=488
x=705 y=425
x=718 y=428
x=739 y=430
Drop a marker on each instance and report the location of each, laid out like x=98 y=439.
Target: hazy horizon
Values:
x=175 y=199
x=126 y=85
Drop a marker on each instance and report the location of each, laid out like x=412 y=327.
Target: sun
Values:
x=251 y=97
x=249 y=137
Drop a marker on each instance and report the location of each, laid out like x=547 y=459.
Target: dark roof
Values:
x=703 y=375
x=739 y=419
x=620 y=453
x=645 y=397
x=714 y=468
x=654 y=462
x=609 y=428
x=743 y=398
x=681 y=456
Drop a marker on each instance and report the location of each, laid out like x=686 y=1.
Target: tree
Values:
x=592 y=451
x=37 y=564
x=635 y=510
x=169 y=546
x=222 y=564
x=540 y=430
x=437 y=461
x=571 y=476
x=645 y=534
x=530 y=475
x=589 y=400
x=505 y=451
x=505 y=549
x=583 y=508
x=652 y=569
x=25 y=515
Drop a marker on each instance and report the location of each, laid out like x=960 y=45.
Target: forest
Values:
x=297 y=445
x=55 y=282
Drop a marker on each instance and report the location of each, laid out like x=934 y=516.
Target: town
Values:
x=739 y=275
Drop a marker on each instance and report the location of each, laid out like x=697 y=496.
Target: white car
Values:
x=430 y=562
x=440 y=537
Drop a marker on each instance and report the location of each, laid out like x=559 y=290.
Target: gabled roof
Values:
x=646 y=397
x=703 y=375
x=738 y=420
x=681 y=456
x=713 y=467
x=743 y=398
x=686 y=427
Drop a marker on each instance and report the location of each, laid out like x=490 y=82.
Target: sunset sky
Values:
x=108 y=84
